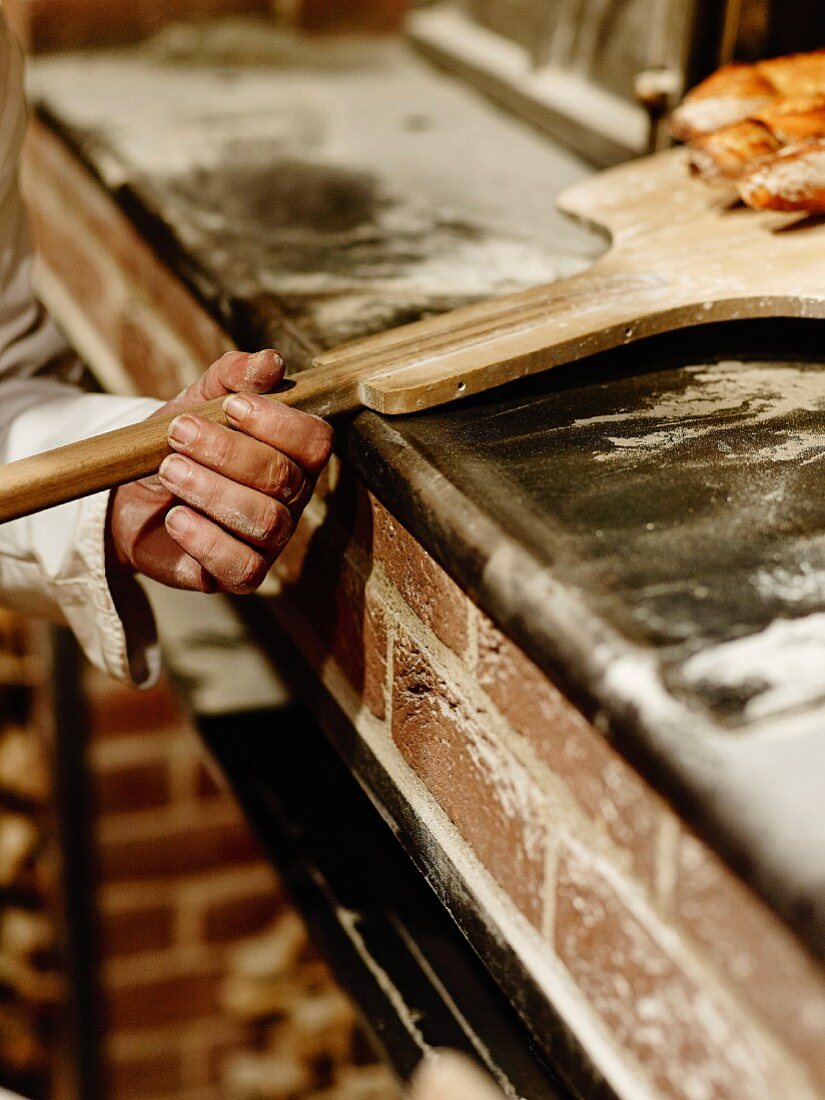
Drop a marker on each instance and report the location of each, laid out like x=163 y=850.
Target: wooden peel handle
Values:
x=90 y=465
x=126 y=454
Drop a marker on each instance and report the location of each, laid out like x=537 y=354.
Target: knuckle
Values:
x=210 y=494
x=251 y=572
x=267 y=520
x=226 y=450
x=276 y=475
x=285 y=479
x=285 y=528
x=210 y=546
x=280 y=526
x=319 y=444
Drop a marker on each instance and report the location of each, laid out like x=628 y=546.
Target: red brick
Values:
x=684 y=1037
x=131 y=931
x=487 y=794
x=233 y=918
x=78 y=226
x=168 y=1000
x=330 y=611
x=145 y=1077
x=120 y=710
x=753 y=950
x=359 y=639
x=187 y=850
x=290 y=564
x=423 y=584
x=133 y=787
x=606 y=786
x=72 y=24
x=209 y=783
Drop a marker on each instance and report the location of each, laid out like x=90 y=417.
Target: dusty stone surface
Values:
x=347 y=187
x=655 y=539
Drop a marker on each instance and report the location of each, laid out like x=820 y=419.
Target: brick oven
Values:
x=545 y=771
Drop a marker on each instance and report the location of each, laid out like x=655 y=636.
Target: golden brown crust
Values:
x=732 y=93
x=795 y=119
x=794 y=179
x=797 y=74
x=739 y=91
x=762 y=126
x=726 y=153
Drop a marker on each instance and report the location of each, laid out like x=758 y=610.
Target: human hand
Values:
x=224 y=505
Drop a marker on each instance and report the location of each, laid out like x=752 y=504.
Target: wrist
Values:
x=119 y=564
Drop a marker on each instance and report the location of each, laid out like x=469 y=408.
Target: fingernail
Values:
x=237 y=408
x=178 y=521
x=265 y=358
x=174 y=469
x=184 y=429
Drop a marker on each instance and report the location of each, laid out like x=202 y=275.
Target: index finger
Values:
x=305 y=439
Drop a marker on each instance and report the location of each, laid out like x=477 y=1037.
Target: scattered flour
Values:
x=756 y=395
x=797 y=174
x=781 y=667
x=710 y=112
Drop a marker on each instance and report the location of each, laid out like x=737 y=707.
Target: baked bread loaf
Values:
x=794 y=179
x=731 y=94
x=729 y=151
x=738 y=91
x=761 y=126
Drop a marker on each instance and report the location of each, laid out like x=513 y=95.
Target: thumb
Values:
x=234 y=372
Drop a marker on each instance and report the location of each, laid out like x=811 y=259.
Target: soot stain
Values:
x=301 y=217
x=285 y=195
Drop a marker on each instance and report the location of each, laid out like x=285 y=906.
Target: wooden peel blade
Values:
x=681 y=255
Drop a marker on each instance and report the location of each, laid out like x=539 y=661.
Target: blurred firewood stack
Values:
x=29 y=983
x=309 y=1044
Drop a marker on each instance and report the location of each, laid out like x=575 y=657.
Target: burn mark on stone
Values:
x=340 y=252
x=284 y=196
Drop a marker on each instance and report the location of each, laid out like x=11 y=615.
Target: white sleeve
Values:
x=53 y=563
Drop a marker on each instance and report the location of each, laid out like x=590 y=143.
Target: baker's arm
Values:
x=216 y=517
x=54 y=564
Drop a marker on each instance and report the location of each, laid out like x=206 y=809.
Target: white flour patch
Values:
x=781 y=667
x=793 y=586
x=795 y=175
x=791 y=445
x=758 y=394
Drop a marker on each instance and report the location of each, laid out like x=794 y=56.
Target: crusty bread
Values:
x=728 y=152
x=793 y=179
x=763 y=127
x=731 y=94
x=796 y=74
x=738 y=91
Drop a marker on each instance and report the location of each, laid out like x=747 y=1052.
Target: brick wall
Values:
x=74 y=24
x=359 y=16
x=122 y=309
x=181 y=883
x=692 y=988
x=43 y=25
x=30 y=984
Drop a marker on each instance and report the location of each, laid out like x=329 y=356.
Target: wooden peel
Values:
x=682 y=254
